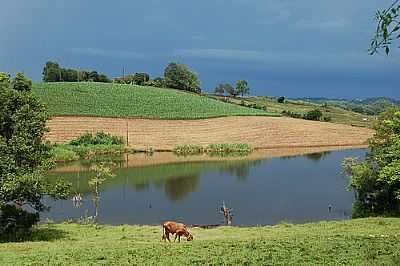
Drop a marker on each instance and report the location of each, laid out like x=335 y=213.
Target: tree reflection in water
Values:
x=178 y=188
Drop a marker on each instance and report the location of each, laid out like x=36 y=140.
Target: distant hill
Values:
x=369 y=106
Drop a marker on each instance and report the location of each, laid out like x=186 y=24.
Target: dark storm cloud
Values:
x=293 y=48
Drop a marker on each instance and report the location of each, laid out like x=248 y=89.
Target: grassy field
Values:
x=337 y=114
x=374 y=241
x=115 y=100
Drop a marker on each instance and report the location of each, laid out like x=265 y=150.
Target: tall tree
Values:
x=179 y=76
x=23 y=155
x=242 y=87
x=51 y=72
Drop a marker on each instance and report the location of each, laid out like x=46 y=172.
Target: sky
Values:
x=292 y=48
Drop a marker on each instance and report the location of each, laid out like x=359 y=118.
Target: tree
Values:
x=102 y=172
x=220 y=89
x=23 y=156
x=281 y=99
x=141 y=78
x=387 y=29
x=51 y=72
x=230 y=90
x=377 y=179
x=179 y=76
x=242 y=87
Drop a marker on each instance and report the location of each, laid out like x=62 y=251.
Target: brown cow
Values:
x=178 y=229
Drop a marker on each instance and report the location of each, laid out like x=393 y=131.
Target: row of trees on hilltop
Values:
x=241 y=88
x=52 y=72
x=176 y=76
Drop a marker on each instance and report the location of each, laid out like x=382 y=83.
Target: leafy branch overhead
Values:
x=387 y=30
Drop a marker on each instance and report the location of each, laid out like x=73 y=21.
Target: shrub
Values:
x=15 y=223
x=327 y=119
x=214 y=149
x=313 y=115
x=100 y=138
x=291 y=114
x=281 y=99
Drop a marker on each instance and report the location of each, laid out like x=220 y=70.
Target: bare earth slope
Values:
x=259 y=131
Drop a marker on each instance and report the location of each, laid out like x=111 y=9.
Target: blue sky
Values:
x=303 y=48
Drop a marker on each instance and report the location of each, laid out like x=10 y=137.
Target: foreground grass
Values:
x=116 y=100
x=357 y=242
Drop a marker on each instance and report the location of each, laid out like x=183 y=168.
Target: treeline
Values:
x=176 y=76
x=52 y=72
x=241 y=88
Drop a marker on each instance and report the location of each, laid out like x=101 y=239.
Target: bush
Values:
x=281 y=99
x=313 y=115
x=15 y=223
x=100 y=138
x=291 y=114
x=327 y=119
x=214 y=149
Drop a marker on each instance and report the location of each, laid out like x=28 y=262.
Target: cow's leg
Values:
x=176 y=235
x=168 y=237
x=179 y=238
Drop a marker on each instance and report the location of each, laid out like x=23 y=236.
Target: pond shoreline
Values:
x=142 y=158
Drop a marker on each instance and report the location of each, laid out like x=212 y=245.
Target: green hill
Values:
x=336 y=114
x=116 y=100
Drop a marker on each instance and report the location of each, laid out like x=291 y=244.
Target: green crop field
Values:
x=373 y=241
x=115 y=100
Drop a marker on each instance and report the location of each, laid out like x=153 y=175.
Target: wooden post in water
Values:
x=227 y=212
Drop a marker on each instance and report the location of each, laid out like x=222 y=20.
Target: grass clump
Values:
x=215 y=149
x=100 y=138
x=88 y=146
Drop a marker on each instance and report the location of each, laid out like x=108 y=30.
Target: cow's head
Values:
x=189 y=236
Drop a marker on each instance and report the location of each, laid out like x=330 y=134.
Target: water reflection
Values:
x=292 y=188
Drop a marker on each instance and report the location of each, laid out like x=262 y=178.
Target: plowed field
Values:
x=260 y=132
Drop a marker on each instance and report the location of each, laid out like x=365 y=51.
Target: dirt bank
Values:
x=261 y=132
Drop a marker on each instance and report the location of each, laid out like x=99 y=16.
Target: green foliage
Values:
x=230 y=90
x=242 y=87
x=100 y=138
x=377 y=179
x=214 y=149
x=21 y=83
x=291 y=114
x=281 y=99
x=23 y=155
x=15 y=223
x=115 y=100
x=141 y=78
x=387 y=30
x=179 y=76
x=102 y=173
x=313 y=115
x=52 y=72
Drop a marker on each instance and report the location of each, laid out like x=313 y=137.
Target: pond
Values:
x=261 y=190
